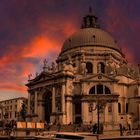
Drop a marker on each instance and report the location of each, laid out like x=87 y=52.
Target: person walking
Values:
x=94 y=129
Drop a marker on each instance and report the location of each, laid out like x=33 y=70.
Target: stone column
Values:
x=94 y=113
x=138 y=90
x=63 y=98
x=106 y=113
x=40 y=108
x=63 y=104
x=29 y=109
x=83 y=112
x=138 y=115
x=35 y=102
x=69 y=112
x=115 y=112
x=53 y=100
x=85 y=116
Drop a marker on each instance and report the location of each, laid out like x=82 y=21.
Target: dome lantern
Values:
x=90 y=20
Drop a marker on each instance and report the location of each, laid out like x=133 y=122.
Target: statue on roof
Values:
x=45 y=66
x=45 y=62
x=53 y=67
x=29 y=76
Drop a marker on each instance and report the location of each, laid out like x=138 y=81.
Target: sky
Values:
x=34 y=30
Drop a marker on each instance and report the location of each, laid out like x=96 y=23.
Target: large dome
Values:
x=90 y=37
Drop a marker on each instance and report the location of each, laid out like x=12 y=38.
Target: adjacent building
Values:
x=10 y=109
x=90 y=70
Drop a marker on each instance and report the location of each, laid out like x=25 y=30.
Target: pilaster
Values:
x=69 y=112
x=106 y=114
x=115 y=112
x=139 y=90
x=94 y=113
x=29 y=109
x=53 y=100
x=35 y=102
x=85 y=116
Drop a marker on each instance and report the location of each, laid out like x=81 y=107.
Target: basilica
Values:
x=90 y=70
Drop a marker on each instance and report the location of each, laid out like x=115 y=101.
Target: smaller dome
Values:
x=90 y=37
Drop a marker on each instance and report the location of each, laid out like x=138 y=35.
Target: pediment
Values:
x=41 y=77
x=100 y=77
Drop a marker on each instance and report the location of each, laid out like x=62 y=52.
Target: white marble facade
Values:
x=91 y=69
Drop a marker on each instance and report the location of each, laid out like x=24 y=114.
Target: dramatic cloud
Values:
x=32 y=30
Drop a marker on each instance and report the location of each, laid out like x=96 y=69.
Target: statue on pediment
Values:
x=70 y=87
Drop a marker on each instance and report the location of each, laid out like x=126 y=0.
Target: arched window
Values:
x=107 y=90
x=92 y=90
x=89 y=67
x=101 y=67
x=126 y=107
x=119 y=108
x=100 y=89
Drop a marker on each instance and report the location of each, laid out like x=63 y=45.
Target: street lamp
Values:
x=99 y=106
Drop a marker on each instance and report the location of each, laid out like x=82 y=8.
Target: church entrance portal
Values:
x=78 y=113
x=48 y=106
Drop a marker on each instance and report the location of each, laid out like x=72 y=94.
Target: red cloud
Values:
x=40 y=47
x=15 y=65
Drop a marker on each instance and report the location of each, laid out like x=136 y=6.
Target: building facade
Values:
x=10 y=109
x=90 y=70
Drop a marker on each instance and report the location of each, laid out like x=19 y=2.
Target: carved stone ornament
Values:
x=111 y=68
x=70 y=87
x=68 y=67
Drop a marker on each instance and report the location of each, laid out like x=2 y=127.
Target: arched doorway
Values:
x=78 y=112
x=48 y=106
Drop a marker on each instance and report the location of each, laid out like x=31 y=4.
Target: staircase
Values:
x=69 y=128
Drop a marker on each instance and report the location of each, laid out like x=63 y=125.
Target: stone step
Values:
x=69 y=128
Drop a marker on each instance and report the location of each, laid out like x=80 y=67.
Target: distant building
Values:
x=10 y=109
x=91 y=70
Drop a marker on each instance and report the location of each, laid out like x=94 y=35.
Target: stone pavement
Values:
x=89 y=136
